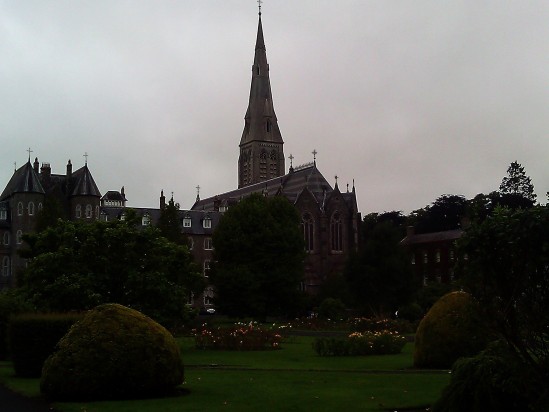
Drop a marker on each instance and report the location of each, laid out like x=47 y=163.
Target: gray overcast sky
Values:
x=412 y=99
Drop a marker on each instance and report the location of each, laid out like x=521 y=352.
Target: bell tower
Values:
x=261 y=146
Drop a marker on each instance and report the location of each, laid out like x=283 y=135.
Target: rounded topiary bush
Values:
x=113 y=353
x=451 y=329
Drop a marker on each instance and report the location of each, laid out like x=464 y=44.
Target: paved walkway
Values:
x=13 y=402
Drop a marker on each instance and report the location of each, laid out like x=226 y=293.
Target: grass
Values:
x=290 y=379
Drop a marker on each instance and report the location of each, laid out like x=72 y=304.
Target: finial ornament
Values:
x=291 y=157
x=259 y=4
x=314 y=152
x=30 y=151
x=197 y=193
x=86 y=156
x=336 y=177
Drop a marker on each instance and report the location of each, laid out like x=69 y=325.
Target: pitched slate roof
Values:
x=83 y=183
x=447 y=235
x=290 y=185
x=24 y=180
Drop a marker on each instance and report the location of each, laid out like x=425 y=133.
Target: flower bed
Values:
x=361 y=344
x=244 y=337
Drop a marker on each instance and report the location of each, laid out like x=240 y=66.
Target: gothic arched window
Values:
x=78 y=211
x=30 y=208
x=307 y=224
x=336 y=232
x=6 y=238
x=89 y=211
x=20 y=209
x=6 y=266
x=19 y=237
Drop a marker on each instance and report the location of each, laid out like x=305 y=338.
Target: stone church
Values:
x=330 y=218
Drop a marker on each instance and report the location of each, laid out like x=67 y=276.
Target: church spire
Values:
x=261 y=145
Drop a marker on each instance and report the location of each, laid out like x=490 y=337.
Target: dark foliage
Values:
x=10 y=304
x=78 y=265
x=259 y=259
x=32 y=338
x=379 y=275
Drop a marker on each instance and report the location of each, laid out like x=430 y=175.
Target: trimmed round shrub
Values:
x=451 y=329
x=331 y=308
x=113 y=353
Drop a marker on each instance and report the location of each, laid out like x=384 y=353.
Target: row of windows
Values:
x=21 y=210
x=425 y=256
x=336 y=232
x=207 y=297
x=208 y=243
x=6 y=238
x=206 y=222
x=87 y=212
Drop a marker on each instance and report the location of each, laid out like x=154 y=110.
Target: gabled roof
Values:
x=83 y=183
x=445 y=236
x=114 y=195
x=24 y=180
x=289 y=185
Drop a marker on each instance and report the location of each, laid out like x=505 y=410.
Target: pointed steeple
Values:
x=261 y=145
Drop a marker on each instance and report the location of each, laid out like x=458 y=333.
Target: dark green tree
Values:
x=169 y=223
x=259 y=256
x=379 y=275
x=507 y=271
x=517 y=184
x=445 y=213
x=50 y=213
x=78 y=265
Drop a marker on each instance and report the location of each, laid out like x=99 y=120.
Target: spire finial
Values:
x=291 y=157
x=197 y=193
x=314 y=152
x=259 y=4
x=30 y=151
x=86 y=156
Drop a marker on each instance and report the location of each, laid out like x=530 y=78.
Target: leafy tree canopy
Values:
x=169 y=223
x=507 y=270
x=517 y=183
x=445 y=213
x=79 y=265
x=379 y=276
x=259 y=256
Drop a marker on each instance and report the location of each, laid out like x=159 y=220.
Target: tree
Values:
x=78 y=265
x=169 y=223
x=517 y=184
x=445 y=213
x=379 y=275
x=507 y=271
x=259 y=256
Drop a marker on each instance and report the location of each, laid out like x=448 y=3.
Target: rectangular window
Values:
x=187 y=222
x=3 y=214
x=206 y=268
x=207 y=223
x=208 y=243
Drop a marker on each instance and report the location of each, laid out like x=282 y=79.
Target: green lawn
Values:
x=290 y=379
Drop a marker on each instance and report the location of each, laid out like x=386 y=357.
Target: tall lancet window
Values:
x=263 y=164
x=336 y=233
x=308 y=227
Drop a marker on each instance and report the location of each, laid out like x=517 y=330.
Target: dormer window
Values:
x=146 y=220
x=187 y=222
x=207 y=223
